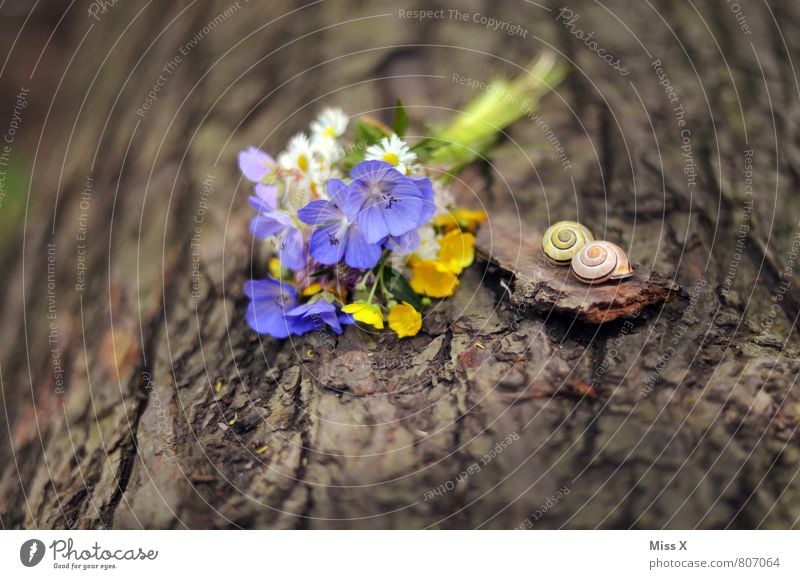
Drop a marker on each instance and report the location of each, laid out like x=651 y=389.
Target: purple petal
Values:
x=271 y=299
x=372 y=223
x=300 y=326
x=267 y=288
x=299 y=323
x=428 y=206
x=372 y=171
x=403 y=244
x=403 y=216
x=327 y=244
x=358 y=253
x=332 y=320
x=335 y=188
x=320 y=213
x=266 y=225
x=313 y=316
x=405 y=189
x=352 y=199
x=292 y=249
x=255 y=164
x=266 y=317
x=266 y=198
x=400 y=215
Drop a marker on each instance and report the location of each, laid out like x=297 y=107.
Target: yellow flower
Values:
x=433 y=278
x=460 y=218
x=457 y=250
x=275 y=267
x=405 y=320
x=365 y=313
x=311 y=290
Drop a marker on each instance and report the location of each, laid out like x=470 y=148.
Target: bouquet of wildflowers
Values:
x=361 y=231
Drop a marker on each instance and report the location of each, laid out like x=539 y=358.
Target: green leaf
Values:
x=366 y=135
x=400 y=119
x=399 y=287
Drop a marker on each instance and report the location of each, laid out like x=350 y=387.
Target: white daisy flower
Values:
x=330 y=123
x=317 y=179
x=327 y=150
x=393 y=150
x=308 y=165
x=298 y=155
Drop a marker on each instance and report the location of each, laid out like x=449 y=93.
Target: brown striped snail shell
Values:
x=562 y=241
x=600 y=261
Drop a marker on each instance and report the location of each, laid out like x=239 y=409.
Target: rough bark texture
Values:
x=174 y=414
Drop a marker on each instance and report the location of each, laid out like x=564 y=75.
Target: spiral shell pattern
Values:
x=600 y=261
x=563 y=240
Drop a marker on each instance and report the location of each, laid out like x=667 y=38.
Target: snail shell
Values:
x=600 y=261
x=562 y=241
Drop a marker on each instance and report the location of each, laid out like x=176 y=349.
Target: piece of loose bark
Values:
x=541 y=287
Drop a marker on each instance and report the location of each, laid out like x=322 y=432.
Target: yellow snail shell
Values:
x=562 y=241
x=601 y=261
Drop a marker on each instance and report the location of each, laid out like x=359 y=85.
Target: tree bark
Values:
x=135 y=395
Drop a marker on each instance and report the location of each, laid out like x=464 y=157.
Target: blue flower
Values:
x=255 y=164
x=313 y=316
x=403 y=244
x=271 y=301
x=425 y=187
x=265 y=199
x=390 y=202
x=337 y=234
x=272 y=222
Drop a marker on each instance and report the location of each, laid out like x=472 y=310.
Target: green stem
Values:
x=476 y=127
x=378 y=278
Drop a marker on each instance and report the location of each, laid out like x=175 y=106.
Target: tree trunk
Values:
x=135 y=395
